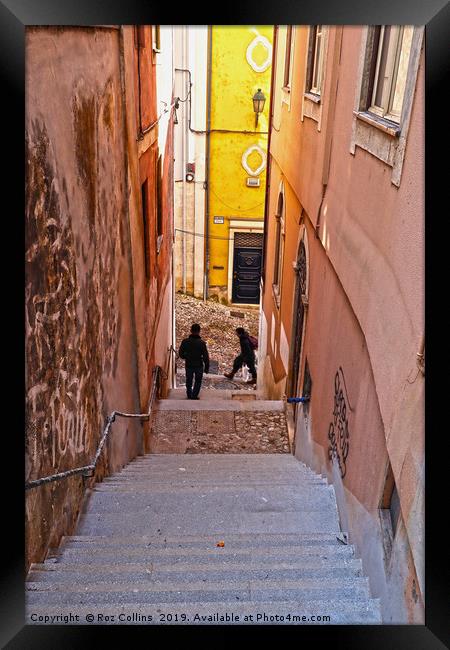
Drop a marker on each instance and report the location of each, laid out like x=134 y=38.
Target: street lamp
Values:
x=259 y=100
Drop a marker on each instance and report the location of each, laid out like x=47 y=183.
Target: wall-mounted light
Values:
x=259 y=100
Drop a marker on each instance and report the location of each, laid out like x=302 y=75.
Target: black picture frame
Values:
x=15 y=15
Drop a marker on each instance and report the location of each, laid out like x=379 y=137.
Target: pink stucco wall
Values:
x=366 y=306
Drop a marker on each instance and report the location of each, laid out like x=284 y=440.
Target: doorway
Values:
x=247 y=261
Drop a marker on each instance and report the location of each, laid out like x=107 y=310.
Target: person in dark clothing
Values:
x=195 y=354
x=247 y=356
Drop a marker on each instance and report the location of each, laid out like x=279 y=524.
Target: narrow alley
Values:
x=242 y=205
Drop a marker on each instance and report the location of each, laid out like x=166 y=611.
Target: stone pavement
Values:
x=220 y=422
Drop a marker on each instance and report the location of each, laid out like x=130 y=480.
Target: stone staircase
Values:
x=205 y=539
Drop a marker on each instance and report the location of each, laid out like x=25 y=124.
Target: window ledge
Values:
x=312 y=97
x=378 y=122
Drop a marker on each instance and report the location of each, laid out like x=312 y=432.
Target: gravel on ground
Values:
x=218 y=327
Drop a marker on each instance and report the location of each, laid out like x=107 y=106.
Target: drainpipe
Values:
x=184 y=173
x=269 y=159
x=138 y=41
x=330 y=120
x=207 y=166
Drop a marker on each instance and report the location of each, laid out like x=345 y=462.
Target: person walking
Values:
x=195 y=354
x=247 y=356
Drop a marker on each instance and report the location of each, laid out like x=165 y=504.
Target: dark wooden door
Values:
x=247 y=267
x=299 y=314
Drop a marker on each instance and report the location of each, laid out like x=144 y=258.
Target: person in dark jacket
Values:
x=247 y=356
x=195 y=354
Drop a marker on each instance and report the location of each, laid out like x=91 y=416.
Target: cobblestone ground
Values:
x=219 y=432
x=218 y=330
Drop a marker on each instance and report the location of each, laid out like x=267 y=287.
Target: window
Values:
x=316 y=49
x=389 y=66
x=287 y=59
x=279 y=249
x=387 y=76
x=315 y=74
x=390 y=513
x=144 y=194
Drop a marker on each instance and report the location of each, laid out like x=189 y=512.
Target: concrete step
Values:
x=249 y=461
x=312 y=587
x=95 y=551
x=267 y=499
x=252 y=473
x=190 y=591
x=233 y=540
x=311 y=567
x=189 y=522
x=217 y=404
x=221 y=474
x=355 y=612
x=224 y=555
x=259 y=475
x=180 y=487
x=185 y=471
x=167 y=459
x=236 y=462
x=216 y=393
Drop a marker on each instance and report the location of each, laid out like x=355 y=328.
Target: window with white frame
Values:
x=314 y=74
x=389 y=67
x=386 y=87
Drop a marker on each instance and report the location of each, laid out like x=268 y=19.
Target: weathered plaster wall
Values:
x=193 y=242
x=365 y=308
x=334 y=340
x=81 y=274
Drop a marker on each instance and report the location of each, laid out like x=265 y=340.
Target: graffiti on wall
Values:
x=338 y=432
x=72 y=318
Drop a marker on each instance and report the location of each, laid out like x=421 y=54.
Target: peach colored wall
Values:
x=366 y=305
x=333 y=339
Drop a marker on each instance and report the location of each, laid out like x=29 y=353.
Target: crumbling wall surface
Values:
x=80 y=340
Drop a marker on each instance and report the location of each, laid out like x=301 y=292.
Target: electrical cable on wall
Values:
x=194 y=234
x=233 y=208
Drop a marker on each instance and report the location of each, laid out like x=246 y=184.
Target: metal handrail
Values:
x=88 y=470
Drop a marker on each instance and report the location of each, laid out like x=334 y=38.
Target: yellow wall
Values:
x=233 y=84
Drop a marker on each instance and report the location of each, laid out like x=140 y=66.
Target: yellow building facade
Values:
x=240 y=65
